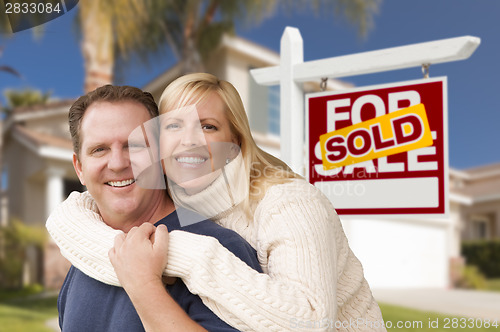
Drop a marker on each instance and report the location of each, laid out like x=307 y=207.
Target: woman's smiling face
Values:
x=195 y=142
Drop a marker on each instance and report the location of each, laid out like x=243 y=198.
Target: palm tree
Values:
x=7 y=69
x=12 y=71
x=107 y=26
x=191 y=29
x=4 y=20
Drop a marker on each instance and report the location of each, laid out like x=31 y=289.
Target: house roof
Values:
x=251 y=49
x=483 y=188
x=244 y=47
x=269 y=57
x=478 y=184
x=43 y=144
x=483 y=171
x=233 y=43
x=38 y=111
x=42 y=139
x=42 y=108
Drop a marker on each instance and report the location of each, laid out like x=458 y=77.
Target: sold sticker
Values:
x=400 y=131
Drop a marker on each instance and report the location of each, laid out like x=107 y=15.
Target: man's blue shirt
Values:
x=86 y=304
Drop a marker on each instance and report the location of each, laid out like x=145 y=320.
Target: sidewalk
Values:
x=53 y=324
x=456 y=302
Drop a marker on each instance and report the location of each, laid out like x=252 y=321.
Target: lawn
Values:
x=30 y=315
x=493 y=284
x=27 y=315
x=415 y=320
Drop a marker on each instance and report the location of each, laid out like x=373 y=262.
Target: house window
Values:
x=274 y=109
x=4 y=180
x=481 y=227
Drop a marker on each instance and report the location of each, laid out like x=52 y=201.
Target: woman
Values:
x=312 y=279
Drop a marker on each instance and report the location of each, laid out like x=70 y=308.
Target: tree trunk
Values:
x=3 y=205
x=97 y=46
x=191 y=62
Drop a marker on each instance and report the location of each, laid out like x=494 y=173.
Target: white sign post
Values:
x=293 y=70
x=405 y=252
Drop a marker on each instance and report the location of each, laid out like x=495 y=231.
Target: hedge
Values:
x=485 y=254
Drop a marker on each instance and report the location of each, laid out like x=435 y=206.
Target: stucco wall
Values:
x=15 y=162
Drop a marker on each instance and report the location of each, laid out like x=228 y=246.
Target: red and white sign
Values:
x=412 y=182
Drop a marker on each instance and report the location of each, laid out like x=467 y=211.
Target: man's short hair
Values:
x=106 y=93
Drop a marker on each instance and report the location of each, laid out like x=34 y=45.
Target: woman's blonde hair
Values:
x=263 y=169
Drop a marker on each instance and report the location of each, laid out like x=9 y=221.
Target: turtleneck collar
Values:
x=228 y=190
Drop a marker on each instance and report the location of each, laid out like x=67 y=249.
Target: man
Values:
x=100 y=124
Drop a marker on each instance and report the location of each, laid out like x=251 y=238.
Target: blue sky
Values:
x=54 y=62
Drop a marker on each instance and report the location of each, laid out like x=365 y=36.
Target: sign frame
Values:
x=439 y=212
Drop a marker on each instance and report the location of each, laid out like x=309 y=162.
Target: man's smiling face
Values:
x=105 y=165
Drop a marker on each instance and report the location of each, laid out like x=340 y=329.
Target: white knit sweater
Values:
x=312 y=280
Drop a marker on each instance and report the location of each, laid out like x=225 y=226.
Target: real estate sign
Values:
x=381 y=150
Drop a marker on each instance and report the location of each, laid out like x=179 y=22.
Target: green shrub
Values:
x=485 y=254
x=30 y=290
x=15 y=239
x=471 y=277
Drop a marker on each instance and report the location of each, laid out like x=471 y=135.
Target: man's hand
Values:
x=140 y=256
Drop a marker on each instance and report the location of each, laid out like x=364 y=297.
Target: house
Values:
x=475 y=193
x=38 y=160
x=38 y=154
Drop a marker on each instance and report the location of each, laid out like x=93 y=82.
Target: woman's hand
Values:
x=140 y=256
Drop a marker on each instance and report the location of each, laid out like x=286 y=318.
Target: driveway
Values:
x=456 y=302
